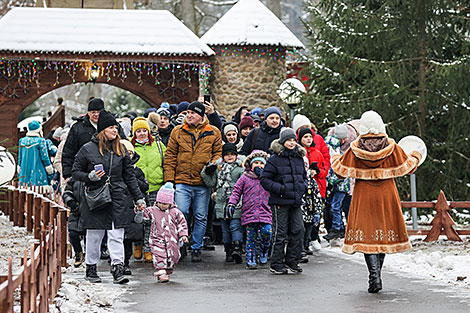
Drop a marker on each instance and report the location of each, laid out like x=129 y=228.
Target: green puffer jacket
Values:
x=220 y=199
x=151 y=163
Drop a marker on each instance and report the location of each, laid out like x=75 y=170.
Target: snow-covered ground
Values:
x=438 y=263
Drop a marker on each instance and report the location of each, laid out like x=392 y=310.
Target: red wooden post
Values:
x=442 y=222
x=21 y=208
x=45 y=208
x=37 y=217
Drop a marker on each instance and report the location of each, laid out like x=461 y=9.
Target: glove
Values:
x=314 y=167
x=73 y=205
x=49 y=169
x=210 y=168
x=93 y=177
x=230 y=211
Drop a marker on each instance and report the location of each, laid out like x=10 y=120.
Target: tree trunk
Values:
x=422 y=17
x=275 y=7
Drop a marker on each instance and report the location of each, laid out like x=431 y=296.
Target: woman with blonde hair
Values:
x=105 y=161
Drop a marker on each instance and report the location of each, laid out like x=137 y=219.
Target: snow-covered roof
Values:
x=249 y=22
x=89 y=31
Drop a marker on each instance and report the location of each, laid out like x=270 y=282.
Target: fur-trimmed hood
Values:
x=279 y=149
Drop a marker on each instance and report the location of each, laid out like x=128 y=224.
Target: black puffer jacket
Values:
x=122 y=180
x=260 y=139
x=284 y=175
x=80 y=134
x=72 y=194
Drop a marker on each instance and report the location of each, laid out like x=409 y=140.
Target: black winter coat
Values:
x=284 y=175
x=122 y=180
x=165 y=134
x=262 y=136
x=73 y=193
x=80 y=134
x=135 y=231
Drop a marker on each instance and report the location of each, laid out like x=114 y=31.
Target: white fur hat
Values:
x=300 y=120
x=371 y=123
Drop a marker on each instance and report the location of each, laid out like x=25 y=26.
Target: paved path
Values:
x=328 y=284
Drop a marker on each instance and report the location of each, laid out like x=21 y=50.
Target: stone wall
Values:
x=244 y=78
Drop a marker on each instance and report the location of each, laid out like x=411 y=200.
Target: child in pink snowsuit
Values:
x=168 y=231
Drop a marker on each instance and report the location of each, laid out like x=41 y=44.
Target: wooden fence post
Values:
x=25 y=284
x=37 y=217
x=21 y=208
x=29 y=211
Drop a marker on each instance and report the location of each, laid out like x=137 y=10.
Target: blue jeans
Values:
x=336 y=204
x=231 y=230
x=196 y=197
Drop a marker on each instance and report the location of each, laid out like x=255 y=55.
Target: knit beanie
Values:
x=166 y=194
x=341 y=131
x=256 y=155
x=164 y=112
x=371 y=123
x=247 y=121
x=140 y=122
x=173 y=108
x=286 y=133
x=105 y=120
x=95 y=104
x=58 y=132
x=165 y=105
x=183 y=106
x=34 y=125
x=229 y=147
x=148 y=111
x=271 y=110
x=256 y=111
x=304 y=131
x=299 y=121
x=197 y=107
x=128 y=145
x=229 y=127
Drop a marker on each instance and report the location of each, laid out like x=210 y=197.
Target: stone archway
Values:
x=24 y=81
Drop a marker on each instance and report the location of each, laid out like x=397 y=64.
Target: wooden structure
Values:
x=149 y=53
x=87 y=4
x=40 y=276
x=442 y=224
x=52 y=119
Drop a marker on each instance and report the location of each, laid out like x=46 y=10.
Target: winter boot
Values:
x=196 y=256
x=228 y=253
x=373 y=265
x=294 y=268
x=207 y=244
x=263 y=258
x=162 y=276
x=333 y=234
x=303 y=257
x=118 y=274
x=251 y=260
x=79 y=259
x=91 y=274
x=127 y=270
x=237 y=252
x=148 y=257
x=138 y=252
x=183 y=252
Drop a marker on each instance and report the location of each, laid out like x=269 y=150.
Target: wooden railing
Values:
x=442 y=224
x=39 y=277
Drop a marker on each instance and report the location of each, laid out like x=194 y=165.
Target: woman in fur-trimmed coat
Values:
x=375 y=224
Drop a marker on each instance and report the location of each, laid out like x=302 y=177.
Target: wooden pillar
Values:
x=21 y=208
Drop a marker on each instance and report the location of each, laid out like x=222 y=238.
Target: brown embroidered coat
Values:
x=375 y=222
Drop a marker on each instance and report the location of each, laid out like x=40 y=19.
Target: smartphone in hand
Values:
x=207 y=98
x=99 y=167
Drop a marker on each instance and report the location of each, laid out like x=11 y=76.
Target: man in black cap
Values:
x=191 y=146
x=80 y=133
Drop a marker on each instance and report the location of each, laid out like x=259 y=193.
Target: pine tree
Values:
x=407 y=60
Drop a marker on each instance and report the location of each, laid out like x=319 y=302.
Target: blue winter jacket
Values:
x=33 y=158
x=284 y=175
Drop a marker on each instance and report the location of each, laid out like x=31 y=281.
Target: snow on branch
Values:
x=449 y=63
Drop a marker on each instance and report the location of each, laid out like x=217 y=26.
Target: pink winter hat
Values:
x=166 y=194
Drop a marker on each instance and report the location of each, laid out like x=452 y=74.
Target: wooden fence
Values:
x=39 y=277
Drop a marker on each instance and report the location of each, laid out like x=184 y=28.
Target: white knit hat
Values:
x=371 y=123
x=300 y=120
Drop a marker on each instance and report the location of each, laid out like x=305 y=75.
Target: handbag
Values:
x=100 y=197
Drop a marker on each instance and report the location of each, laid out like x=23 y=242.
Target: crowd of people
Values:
x=155 y=186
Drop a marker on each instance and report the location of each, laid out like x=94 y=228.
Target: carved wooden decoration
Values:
x=442 y=224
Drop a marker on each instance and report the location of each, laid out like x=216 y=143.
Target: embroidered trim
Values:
x=376 y=248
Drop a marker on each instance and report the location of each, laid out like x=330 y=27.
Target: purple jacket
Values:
x=255 y=208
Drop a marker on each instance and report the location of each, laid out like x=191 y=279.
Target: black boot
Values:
x=373 y=264
x=228 y=252
x=118 y=274
x=381 y=258
x=91 y=274
x=237 y=252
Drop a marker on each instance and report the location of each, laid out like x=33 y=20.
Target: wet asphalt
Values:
x=328 y=284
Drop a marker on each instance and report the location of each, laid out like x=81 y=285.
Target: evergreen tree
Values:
x=122 y=101
x=407 y=60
